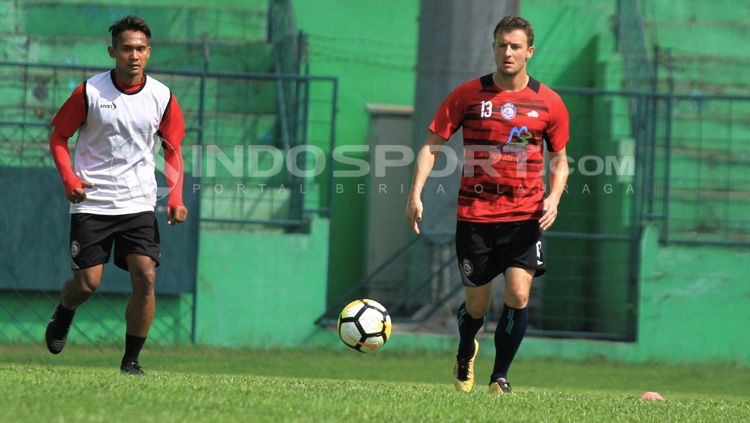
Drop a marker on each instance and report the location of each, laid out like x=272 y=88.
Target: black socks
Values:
x=467 y=329
x=133 y=346
x=508 y=336
x=65 y=315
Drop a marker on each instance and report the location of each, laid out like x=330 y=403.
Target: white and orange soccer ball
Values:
x=364 y=325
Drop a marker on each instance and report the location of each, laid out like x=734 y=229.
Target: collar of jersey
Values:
x=140 y=86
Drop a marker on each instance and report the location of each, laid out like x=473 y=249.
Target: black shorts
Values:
x=92 y=236
x=486 y=250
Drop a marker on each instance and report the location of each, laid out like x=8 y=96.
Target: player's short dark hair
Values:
x=510 y=23
x=129 y=23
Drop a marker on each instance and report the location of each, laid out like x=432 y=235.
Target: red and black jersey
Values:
x=504 y=133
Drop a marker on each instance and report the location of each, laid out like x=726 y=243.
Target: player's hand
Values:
x=550 y=213
x=176 y=214
x=78 y=194
x=414 y=214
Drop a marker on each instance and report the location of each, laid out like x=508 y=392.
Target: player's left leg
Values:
x=512 y=325
x=137 y=250
x=139 y=313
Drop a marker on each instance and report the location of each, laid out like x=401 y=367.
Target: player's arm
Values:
x=172 y=130
x=425 y=162
x=558 y=131
x=446 y=121
x=558 y=179
x=66 y=122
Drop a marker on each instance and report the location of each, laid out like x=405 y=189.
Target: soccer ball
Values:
x=364 y=325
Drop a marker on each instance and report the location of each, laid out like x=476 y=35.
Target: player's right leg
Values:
x=473 y=248
x=74 y=293
x=470 y=321
x=91 y=239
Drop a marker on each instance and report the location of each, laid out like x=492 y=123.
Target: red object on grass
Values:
x=653 y=396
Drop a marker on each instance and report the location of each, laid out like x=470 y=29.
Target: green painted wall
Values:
x=236 y=34
x=262 y=288
x=694 y=301
x=586 y=288
x=371 y=47
x=567 y=38
x=708 y=163
x=266 y=288
x=692 y=309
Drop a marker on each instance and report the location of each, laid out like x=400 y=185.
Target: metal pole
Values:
x=201 y=128
x=302 y=126
x=202 y=94
x=329 y=198
x=618 y=26
x=667 y=154
x=651 y=135
x=334 y=110
x=635 y=237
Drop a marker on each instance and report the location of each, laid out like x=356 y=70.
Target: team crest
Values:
x=75 y=248
x=467 y=267
x=508 y=111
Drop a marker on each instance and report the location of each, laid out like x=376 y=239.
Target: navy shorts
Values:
x=485 y=250
x=93 y=235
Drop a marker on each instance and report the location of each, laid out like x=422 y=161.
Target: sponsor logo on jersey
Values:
x=533 y=114
x=108 y=106
x=508 y=111
x=522 y=133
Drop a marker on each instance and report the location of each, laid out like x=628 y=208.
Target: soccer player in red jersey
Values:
x=120 y=115
x=507 y=118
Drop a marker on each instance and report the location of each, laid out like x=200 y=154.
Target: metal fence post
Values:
x=667 y=150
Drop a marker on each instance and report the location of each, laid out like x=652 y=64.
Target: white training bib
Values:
x=116 y=146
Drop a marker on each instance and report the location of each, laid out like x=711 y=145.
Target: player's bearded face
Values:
x=131 y=52
x=512 y=51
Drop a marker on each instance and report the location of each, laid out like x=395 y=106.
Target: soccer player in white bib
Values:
x=122 y=117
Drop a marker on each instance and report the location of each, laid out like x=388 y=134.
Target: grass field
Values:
x=84 y=384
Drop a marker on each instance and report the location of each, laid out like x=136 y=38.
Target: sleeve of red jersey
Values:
x=66 y=122
x=558 y=129
x=172 y=130
x=450 y=114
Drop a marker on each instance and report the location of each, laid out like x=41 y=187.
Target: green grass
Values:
x=83 y=384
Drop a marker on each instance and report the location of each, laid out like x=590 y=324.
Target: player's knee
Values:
x=517 y=298
x=477 y=308
x=86 y=284
x=144 y=279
